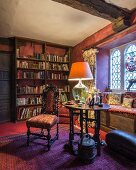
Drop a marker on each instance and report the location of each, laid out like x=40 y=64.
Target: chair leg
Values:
x=28 y=135
x=57 y=131
x=48 y=137
x=42 y=132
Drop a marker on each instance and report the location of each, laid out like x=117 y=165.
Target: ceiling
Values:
x=51 y=21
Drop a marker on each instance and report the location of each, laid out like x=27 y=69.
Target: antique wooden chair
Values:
x=48 y=118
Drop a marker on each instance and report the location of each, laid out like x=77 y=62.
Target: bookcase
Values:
x=36 y=64
x=57 y=68
x=29 y=78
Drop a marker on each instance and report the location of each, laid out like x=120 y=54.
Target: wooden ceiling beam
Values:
x=98 y=8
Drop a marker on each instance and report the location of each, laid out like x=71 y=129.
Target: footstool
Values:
x=122 y=142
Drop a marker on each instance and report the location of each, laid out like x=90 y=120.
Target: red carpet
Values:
x=15 y=155
x=10 y=128
x=7 y=129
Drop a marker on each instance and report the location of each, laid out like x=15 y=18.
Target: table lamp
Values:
x=80 y=71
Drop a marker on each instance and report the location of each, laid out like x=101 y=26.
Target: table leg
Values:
x=86 y=121
x=97 y=132
x=81 y=124
x=71 y=137
x=69 y=145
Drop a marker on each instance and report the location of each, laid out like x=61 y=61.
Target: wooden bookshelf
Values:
x=29 y=78
x=58 y=66
x=36 y=64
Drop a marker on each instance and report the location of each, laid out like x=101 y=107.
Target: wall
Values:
x=102 y=58
x=104 y=39
x=102 y=72
x=90 y=42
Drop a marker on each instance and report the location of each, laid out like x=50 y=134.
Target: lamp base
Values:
x=80 y=92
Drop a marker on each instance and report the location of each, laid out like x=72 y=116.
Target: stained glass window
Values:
x=130 y=66
x=115 y=69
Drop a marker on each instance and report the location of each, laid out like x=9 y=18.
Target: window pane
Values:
x=130 y=66
x=115 y=70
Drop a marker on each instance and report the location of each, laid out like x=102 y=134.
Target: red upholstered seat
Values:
x=42 y=121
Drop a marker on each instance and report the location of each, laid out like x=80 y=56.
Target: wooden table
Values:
x=83 y=112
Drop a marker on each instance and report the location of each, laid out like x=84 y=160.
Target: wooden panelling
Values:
x=116 y=120
x=5 y=76
x=122 y=123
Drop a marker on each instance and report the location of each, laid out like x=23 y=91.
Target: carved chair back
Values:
x=50 y=100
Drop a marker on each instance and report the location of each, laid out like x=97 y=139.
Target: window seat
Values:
x=123 y=110
x=120 y=117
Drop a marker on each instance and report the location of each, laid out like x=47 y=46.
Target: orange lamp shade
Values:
x=80 y=70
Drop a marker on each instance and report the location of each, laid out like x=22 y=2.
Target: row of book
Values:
x=29 y=101
x=67 y=88
x=30 y=89
x=56 y=76
x=54 y=66
x=56 y=58
x=25 y=113
x=30 y=75
x=30 y=64
x=64 y=88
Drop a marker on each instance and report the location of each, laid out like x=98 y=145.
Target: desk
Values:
x=83 y=112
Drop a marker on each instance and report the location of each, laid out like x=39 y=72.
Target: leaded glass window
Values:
x=123 y=67
x=115 y=69
x=130 y=66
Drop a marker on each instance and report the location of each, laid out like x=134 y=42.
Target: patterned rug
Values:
x=15 y=155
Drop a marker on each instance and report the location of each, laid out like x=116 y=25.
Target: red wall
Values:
x=111 y=40
x=102 y=69
x=90 y=41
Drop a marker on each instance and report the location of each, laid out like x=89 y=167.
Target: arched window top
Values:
x=130 y=65
x=130 y=50
x=115 y=53
x=130 y=57
x=115 y=70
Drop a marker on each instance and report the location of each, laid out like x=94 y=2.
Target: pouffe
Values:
x=87 y=149
x=122 y=142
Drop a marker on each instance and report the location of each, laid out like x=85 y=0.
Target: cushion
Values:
x=42 y=121
x=105 y=96
x=134 y=103
x=114 y=98
x=122 y=110
x=131 y=95
x=127 y=102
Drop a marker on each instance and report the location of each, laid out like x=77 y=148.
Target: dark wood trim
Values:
x=5 y=41
x=110 y=38
x=57 y=45
x=13 y=82
x=98 y=8
x=116 y=36
x=40 y=41
x=28 y=39
x=5 y=52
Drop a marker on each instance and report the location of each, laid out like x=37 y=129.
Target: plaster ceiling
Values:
x=127 y=4
x=50 y=21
